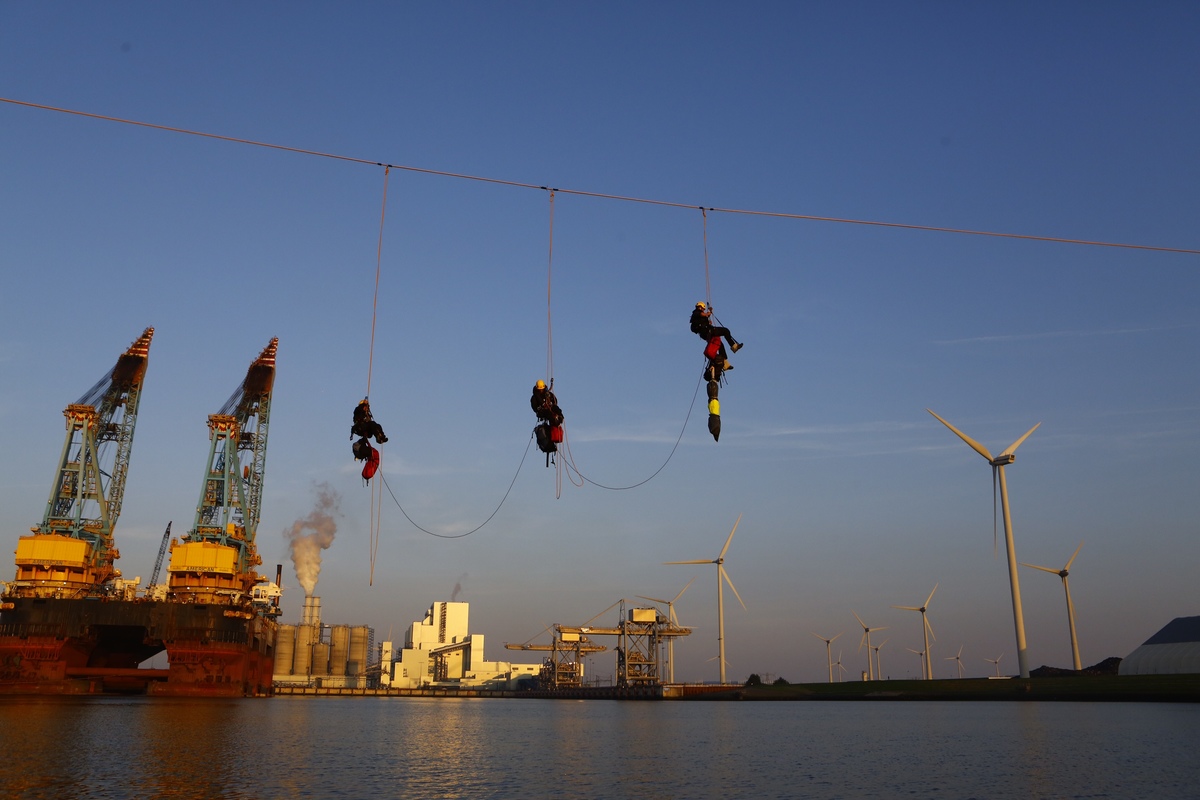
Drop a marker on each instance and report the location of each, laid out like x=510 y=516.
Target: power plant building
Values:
x=439 y=651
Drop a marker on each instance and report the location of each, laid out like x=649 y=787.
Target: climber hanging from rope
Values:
x=548 y=431
x=365 y=427
x=717 y=361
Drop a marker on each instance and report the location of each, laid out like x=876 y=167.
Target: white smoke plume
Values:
x=309 y=536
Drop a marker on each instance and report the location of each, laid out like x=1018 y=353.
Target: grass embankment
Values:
x=1091 y=688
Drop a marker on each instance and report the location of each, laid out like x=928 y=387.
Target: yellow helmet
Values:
x=701 y=305
x=540 y=385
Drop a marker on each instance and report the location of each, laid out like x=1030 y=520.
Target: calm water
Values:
x=423 y=748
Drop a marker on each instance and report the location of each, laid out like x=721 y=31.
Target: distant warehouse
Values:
x=1173 y=650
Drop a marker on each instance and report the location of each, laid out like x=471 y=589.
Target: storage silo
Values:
x=320 y=659
x=285 y=646
x=302 y=660
x=339 y=649
x=357 y=663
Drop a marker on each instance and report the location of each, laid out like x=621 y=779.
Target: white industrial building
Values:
x=1173 y=650
x=439 y=651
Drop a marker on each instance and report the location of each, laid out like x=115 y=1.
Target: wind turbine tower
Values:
x=722 y=578
x=1062 y=573
x=670 y=604
x=829 y=652
x=878 y=663
x=995 y=661
x=921 y=658
x=926 y=629
x=957 y=659
x=866 y=639
x=998 y=464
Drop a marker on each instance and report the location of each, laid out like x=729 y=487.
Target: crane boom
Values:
x=216 y=560
x=71 y=552
x=162 y=551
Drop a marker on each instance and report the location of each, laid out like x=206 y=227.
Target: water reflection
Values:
x=454 y=748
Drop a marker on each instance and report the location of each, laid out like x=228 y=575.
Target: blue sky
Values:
x=1074 y=120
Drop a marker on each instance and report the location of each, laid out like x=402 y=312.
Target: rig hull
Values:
x=59 y=646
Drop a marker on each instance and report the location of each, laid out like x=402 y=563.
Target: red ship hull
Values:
x=52 y=646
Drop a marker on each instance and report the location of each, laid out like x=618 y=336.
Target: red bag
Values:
x=556 y=434
x=714 y=347
x=372 y=465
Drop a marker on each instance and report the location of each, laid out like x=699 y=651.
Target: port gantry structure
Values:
x=71 y=554
x=563 y=668
x=215 y=561
x=640 y=633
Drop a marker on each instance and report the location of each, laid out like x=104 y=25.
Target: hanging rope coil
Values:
x=569 y=460
x=478 y=527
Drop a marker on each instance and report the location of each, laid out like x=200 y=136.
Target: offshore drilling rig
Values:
x=70 y=624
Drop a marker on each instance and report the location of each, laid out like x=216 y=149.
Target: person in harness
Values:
x=701 y=323
x=548 y=431
x=364 y=428
x=365 y=425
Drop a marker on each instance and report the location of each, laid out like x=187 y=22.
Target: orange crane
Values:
x=72 y=553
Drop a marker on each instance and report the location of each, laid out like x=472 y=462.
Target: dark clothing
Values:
x=545 y=405
x=702 y=326
x=365 y=425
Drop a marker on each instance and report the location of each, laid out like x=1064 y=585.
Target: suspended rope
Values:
x=549 y=283
x=569 y=459
x=376 y=496
x=707 y=282
x=600 y=195
x=383 y=478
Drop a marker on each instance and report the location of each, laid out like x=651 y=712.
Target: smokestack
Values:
x=307 y=537
x=311 y=614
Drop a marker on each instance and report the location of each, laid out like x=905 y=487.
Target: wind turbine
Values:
x=722 y=575
x=878 y=664
x=958 y=659
x=1062 y=573
x=920 y=654
x=841 y=669
x=926 y=629
x=866 y=639
x=995 y=661
x=998 y=464
x=675 y=622
x=829 y=652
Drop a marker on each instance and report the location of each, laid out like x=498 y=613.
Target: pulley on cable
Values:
x=716 y=360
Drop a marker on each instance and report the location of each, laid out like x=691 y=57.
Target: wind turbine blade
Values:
x=697 y=561
x=960 y=647
x=725 y=575
x=907 y=608
x=862 y=642
x=929 y=626
x=730 y=539
x=685 y=588
x=1071 y=561
x=930 y=596
x=1043 y=569
x=822 y=638
x=881 y=644
x=837 y=636
x=974 y=445
x=1012 y=448
x=857 y=617
x=653 y=599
